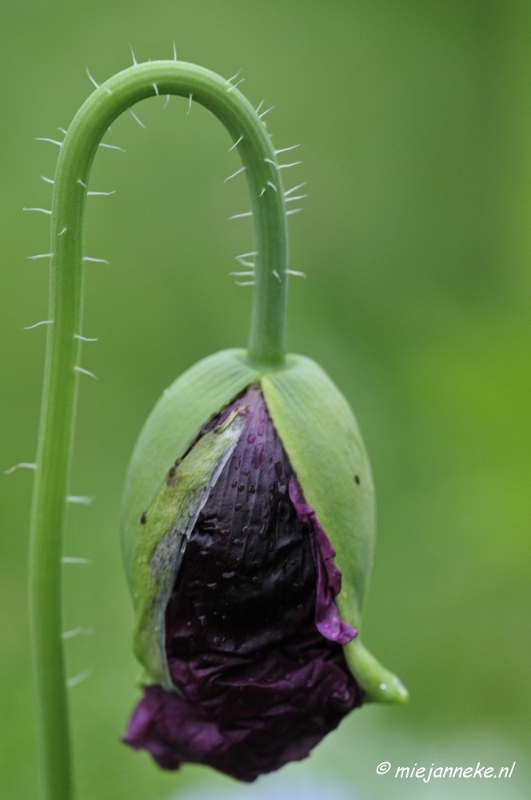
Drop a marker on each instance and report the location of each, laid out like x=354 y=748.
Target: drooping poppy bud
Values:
x=248 y=535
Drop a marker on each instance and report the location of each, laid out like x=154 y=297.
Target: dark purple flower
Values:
x=253 y=637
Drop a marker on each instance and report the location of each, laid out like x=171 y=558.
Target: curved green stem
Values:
x=266 y=343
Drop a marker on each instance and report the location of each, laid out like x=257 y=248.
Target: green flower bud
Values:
x=163 y=494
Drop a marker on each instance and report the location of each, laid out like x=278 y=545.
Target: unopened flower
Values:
x=247 y=619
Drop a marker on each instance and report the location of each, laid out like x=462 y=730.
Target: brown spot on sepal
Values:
x=357 y=479
x=172 y=477
x=143 y=518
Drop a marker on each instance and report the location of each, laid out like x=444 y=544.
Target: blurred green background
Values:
x=414 y=120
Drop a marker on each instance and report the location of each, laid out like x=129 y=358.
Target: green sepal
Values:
x=189 y=403
x=166 y=527
x=380 y=685
x=321 y=437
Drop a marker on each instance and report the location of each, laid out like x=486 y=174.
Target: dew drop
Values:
x=228 y=575
x=212 y=585
x=252 y=489
x=245 y=530
x=202 y=620
x=251 y=438
x=234 y=484
x=254 y=579
x=237 y=543
x=216 y=641
x=258 y=455
x=245 y=472
x=241 y=487
x=238 y=507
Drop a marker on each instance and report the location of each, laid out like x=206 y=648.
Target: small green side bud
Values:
x=380 y=685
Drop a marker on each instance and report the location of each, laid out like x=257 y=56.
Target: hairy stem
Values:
x=266 y=343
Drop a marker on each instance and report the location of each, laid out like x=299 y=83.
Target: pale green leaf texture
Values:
x=190 y=402
x=165 y=529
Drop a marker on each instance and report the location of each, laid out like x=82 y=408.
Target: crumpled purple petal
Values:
x=254 y=716
x=260 y=680
x=327 y=618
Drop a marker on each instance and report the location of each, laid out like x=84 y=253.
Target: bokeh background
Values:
x=414 y=120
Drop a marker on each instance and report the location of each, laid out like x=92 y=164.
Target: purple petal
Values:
x=327 y=618
x=253 y=718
